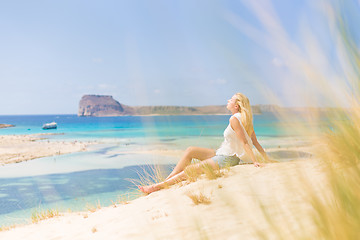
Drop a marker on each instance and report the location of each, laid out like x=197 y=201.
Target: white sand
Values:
x=234 y=211
x=18 y=148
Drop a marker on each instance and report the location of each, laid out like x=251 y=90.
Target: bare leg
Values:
x=179 y=176
x=190 y=153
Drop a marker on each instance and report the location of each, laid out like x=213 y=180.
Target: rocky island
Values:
x=101 y=105
x=105 y=105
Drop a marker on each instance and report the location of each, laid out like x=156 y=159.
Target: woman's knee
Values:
x=190 y=150
x=199 y=153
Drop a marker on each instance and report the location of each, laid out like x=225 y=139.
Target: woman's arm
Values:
x=240 y=132
x=259 y=147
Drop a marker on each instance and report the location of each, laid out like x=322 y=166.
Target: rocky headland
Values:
x=102 y=106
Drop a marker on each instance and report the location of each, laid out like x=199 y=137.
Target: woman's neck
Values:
x=234 y=112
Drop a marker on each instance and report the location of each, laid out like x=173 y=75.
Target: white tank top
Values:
x=232 y=144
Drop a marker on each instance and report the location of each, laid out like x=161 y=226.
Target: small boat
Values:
x=52 y=125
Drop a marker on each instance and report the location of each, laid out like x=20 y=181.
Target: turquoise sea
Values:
x=106 y=172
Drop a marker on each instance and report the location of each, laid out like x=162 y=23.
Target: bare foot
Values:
x=149 y=189
x=256 y=164
x=170 y=176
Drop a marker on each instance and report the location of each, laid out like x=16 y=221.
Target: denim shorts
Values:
x=227 y=161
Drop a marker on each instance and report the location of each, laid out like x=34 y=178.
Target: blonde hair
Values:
x=245 y=111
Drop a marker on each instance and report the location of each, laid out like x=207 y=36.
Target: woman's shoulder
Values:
x=233 y=117
x=236 y=116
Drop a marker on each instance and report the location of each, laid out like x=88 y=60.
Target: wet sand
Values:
x=19 y=148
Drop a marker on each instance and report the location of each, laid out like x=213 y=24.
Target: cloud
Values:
x=221 y=81
x=97 y=60
x=104 y=86
x=101 y=88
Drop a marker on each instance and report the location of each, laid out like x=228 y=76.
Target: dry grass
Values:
x=212 y=173
x=336 y=215
x=7 y=228
x=93 y=208
x=45 y=214
x=193 y=175
x=121 y=200
x=155 y=174
x=199 y=198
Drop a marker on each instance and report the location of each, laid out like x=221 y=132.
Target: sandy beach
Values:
x=19 y=148
x=237 y=205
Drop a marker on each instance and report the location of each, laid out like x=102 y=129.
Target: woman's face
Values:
x=231 y=105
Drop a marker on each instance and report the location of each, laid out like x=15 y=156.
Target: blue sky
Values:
x=163 y=52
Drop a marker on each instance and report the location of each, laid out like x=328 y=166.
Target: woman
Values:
x=239 y=138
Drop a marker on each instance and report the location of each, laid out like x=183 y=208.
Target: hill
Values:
x=104 y=105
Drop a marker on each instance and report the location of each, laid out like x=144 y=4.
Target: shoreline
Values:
x=20 y=148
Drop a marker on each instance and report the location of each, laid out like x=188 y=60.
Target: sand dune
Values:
x=234 y=210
